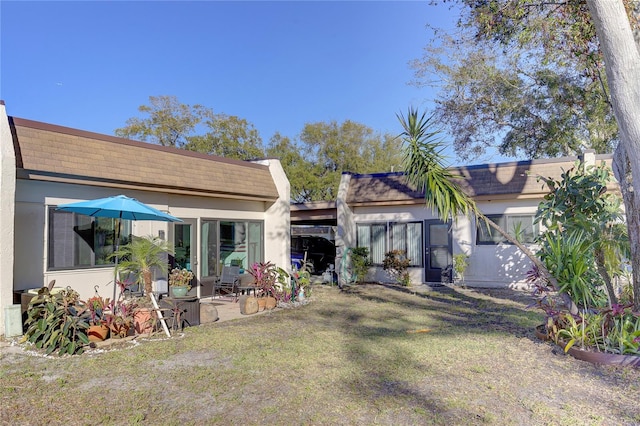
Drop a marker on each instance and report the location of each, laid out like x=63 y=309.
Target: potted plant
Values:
x=180 y=281
x=55 y=322
x=143 y=312
x=302 y=280
x=265 y=276
x=98 y=329
x=119 y=317
x=141 y=255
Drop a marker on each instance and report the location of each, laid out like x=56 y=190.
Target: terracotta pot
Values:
x=604 y=358
x=143 y=321
x=541 y=332
x=97 y=333
x=601 y=358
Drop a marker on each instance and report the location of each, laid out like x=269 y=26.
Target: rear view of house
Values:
x=381 y=212
x=231 y=211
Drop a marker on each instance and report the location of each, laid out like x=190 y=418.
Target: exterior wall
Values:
x=34 y=198
x=501 y=265
x=277 y=219
x=7 y=214
x=403 y=213
x=345 y=230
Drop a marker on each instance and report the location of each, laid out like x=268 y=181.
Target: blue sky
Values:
x=90 y=64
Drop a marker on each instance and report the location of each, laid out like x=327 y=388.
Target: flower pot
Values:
x=179 y=290
x=97 y=333
x=143 y=321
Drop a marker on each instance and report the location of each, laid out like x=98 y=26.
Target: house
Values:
x=231 y=210
x=381 y=212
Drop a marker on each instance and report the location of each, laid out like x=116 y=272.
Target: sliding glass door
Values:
x=230 y=243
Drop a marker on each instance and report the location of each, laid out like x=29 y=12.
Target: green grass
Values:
x=369 y=355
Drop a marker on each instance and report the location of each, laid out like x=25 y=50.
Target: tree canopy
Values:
x=523 y=76
x=313 y=162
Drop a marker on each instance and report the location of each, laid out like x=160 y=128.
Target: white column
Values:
x=7 y=213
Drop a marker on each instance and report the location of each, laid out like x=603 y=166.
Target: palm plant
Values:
x=141 y=255
x=424 y=168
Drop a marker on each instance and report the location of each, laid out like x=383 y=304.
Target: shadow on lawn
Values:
x=483 y=311
x=391 y=313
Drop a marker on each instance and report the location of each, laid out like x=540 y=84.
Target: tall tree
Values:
x=194 y=127
x=300 y=170
x=228 y=136
x=170 y=123
x=622 y=57
x=567 y=37
x=523 y=76
x=346 y=147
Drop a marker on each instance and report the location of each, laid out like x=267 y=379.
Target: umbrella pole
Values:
x=115 y=269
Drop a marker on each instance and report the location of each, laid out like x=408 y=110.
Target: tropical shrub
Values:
x=395 y=263
x=360 y=263
x=57 y=322
x=585 y=246
x=460 y=265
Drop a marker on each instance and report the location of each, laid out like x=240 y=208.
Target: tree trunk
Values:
x=622 y=60
x=573 y=308
x=146 y=277
x=602 y=270
x=622 y=171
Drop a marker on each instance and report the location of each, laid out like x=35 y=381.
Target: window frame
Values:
x=389 y=240
x=505 y=221
x=79 y=246
x=254 y=250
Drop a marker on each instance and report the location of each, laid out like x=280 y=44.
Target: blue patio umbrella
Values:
x=118 y=207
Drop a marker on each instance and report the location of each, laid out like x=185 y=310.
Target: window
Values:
x=400 y=236
x=374 y=237
x=520 y=227
x=408 y=238
x=79 y=241
x=230 y=243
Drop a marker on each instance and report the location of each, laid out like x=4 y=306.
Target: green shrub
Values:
x=57 y=322
x=396 y=263
x=360 y=263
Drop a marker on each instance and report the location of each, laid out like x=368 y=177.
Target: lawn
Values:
x=368 y=355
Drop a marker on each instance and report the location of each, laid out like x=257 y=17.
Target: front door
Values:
x=184 y=243
x=438 y=253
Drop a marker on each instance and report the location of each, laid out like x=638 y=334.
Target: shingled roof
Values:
x=61 y=154
x=487 y=181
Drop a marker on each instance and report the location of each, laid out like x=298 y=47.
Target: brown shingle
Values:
x=504 y=180
x=49 y=150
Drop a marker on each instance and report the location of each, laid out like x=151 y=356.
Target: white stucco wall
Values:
x=501 y=265
x=7 y=214
x=34 y=197
x=345 y=230
x=277 y=219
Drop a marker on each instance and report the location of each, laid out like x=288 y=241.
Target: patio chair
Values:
x=228 y=280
